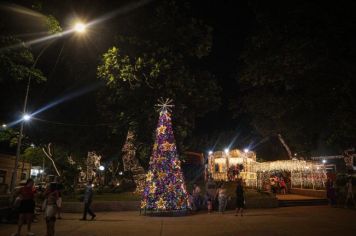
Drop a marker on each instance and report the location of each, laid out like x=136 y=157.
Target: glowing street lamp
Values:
x=102 y=168
x=226 y=150
x=79 y=27
x=26 y=117
x=210 y=152
x=4 y=126
x=324 y=161
x=246 y=150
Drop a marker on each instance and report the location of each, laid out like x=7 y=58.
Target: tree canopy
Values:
x=159 y=60
x=298 y=74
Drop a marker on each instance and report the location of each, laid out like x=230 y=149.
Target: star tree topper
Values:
x=165 y=105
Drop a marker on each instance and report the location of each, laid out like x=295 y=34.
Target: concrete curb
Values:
x=77 y=207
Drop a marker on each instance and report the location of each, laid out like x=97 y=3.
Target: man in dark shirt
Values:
x=88 y=198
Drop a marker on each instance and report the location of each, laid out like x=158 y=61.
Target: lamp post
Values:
x=77 y=28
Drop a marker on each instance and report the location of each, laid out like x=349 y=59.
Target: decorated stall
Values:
x=231 y=165
x=268 y=176
x=295 y=173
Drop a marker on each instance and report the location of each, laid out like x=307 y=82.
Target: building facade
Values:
x=7 y=163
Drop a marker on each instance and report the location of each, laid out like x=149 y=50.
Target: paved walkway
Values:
x=320 y=220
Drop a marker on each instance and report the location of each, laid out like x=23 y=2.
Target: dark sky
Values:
x=70 y=63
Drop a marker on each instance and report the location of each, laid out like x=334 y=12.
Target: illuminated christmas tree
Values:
x=164 y=188
x=131 y=163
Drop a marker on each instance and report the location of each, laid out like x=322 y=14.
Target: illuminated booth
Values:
x=234 y=164
x=231 y=165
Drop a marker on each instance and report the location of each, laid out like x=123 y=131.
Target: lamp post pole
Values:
x=19 y=139
x=79 y=28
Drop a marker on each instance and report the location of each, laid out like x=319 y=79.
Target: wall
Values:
x=7 y=163
x=309 y=192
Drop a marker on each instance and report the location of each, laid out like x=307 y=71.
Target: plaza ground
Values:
x=315 y=220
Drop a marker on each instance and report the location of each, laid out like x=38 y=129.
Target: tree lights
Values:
x=164 y=188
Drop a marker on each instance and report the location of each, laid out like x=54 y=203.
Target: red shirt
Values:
x=27 y=193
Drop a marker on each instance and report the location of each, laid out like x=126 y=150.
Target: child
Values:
x=209 y=203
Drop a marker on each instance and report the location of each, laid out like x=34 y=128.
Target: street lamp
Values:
x=246 y=150
x=26 y=117
x=226 y=150
x=79 y=28
x=101 y=168
x=210 y=152
x=4 y=126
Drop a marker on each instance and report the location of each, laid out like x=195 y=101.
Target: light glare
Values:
x=80 y=27
x=26 y=117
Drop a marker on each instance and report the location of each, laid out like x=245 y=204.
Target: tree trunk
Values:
x=280 y=138
x=49 y=155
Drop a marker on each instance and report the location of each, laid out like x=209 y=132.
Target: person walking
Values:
x=240 y=198
x=88 y=198
x=60 y=189
x=222 y=198
x=330 y=192
x=26 y=201
x=196 y=197
x=349 y=193
x=52 y=196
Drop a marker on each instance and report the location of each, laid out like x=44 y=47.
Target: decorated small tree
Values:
x=164 y=187
x=131 y=163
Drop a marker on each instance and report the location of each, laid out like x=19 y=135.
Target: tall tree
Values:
x=159 y=60
x=298 y=80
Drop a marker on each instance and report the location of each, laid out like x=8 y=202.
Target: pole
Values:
x=19 y=140
x=14 y=172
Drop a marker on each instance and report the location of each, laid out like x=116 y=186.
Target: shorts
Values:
x=27 y=206
x=51 y=211
x=59 y=202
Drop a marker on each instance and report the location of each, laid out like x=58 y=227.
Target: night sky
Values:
x=71 y=63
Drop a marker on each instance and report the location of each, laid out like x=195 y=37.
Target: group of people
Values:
x=278 y=185
x=217 y=199
x=25 y=205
